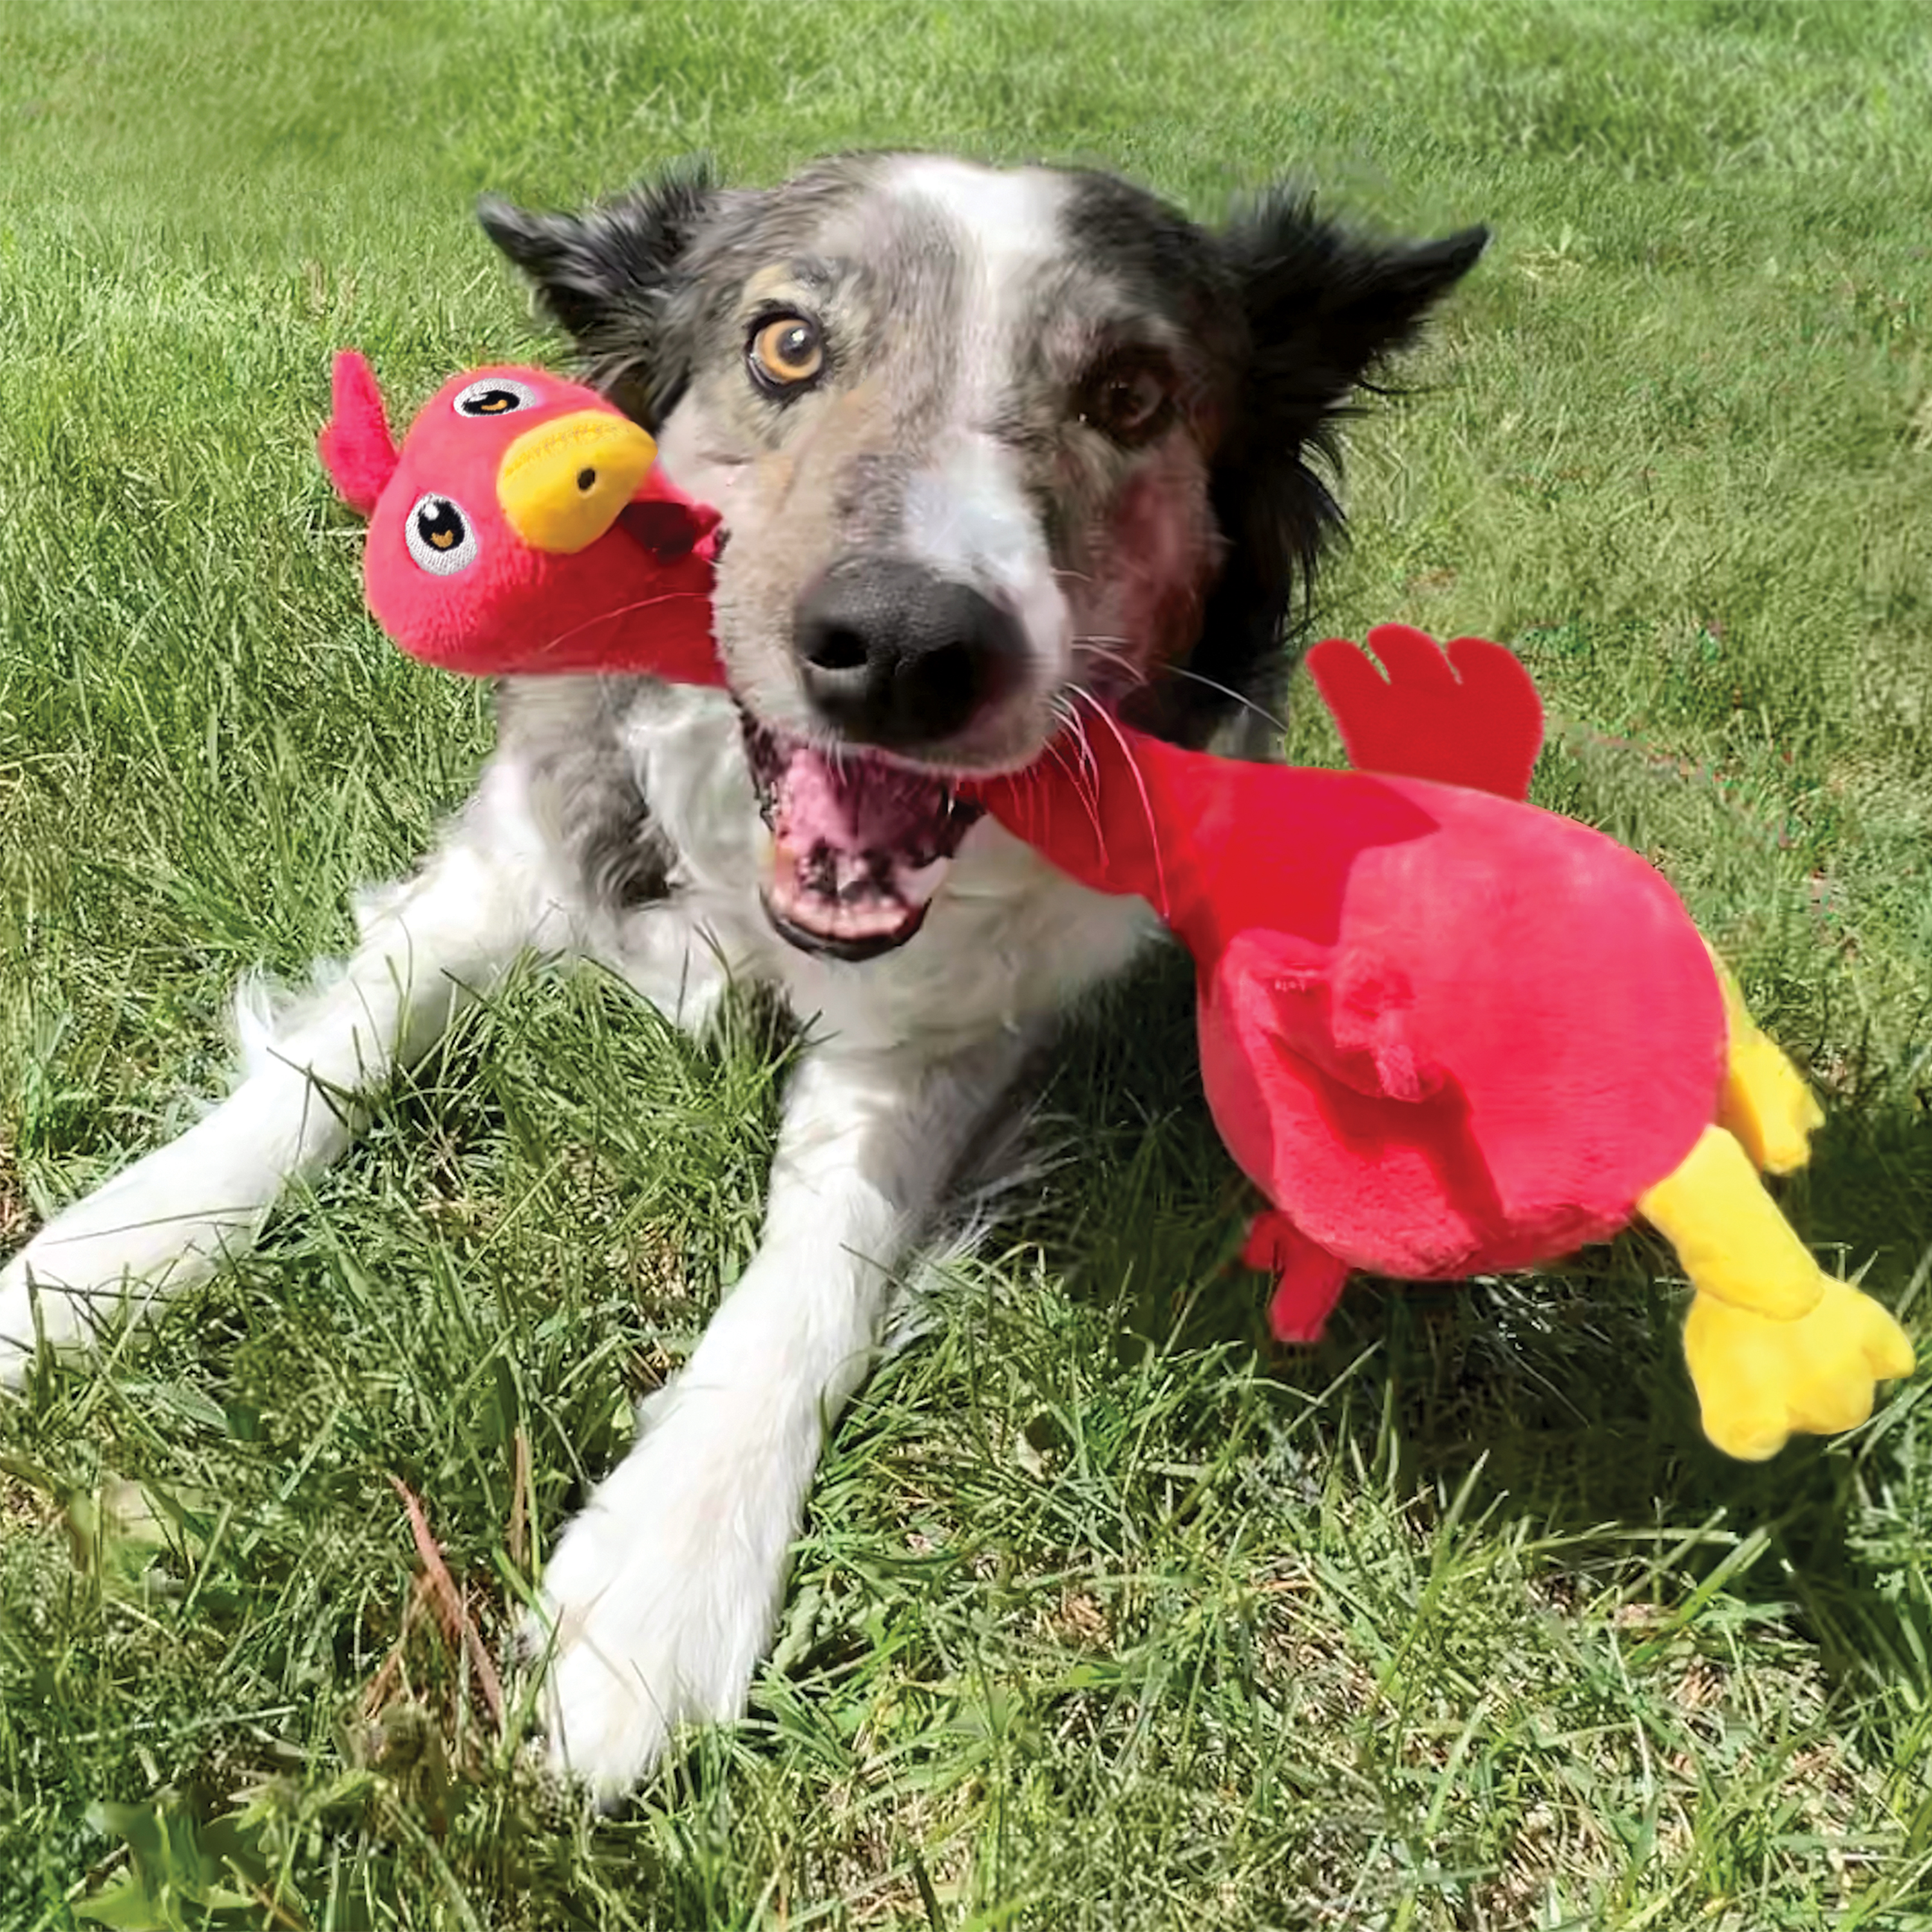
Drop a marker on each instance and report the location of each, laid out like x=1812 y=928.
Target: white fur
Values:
x=967 y=515
x=1009 y=220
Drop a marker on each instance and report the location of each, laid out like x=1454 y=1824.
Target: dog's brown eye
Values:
x=1128 y=398
x=786 y=352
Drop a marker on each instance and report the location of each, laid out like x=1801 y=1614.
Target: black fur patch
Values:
x=567 y=734
x=606 y=276
x=1298 y=313
x=1323 y=310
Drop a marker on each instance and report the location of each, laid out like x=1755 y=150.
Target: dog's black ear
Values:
x=608 y=275
x=1324 y=309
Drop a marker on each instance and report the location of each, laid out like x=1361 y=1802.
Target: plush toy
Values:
x=1444 y=1032
x=479 y=525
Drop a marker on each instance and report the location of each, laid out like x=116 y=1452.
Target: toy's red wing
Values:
x=1467 y=715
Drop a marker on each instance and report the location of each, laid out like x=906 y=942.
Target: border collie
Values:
x=997 y=450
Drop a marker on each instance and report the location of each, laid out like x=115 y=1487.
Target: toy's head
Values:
x=523 y=526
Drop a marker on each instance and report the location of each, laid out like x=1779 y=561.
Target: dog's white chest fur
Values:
x=1009 y=941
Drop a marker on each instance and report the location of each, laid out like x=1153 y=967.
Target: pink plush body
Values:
x=1442 y=1031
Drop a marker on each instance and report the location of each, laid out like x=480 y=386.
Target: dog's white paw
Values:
x=127 y=1243
x=55 y=1288
x=660 y=1599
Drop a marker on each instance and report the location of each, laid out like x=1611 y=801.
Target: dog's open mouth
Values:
x=859 y=845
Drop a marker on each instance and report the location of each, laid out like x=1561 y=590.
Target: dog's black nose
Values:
x=892 y=654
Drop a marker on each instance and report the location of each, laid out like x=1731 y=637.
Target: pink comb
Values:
x=356 y=447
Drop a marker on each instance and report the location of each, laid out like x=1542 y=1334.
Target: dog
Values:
x=999 y=453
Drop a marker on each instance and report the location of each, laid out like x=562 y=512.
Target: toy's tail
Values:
x=1465 y=714
x=355 y=446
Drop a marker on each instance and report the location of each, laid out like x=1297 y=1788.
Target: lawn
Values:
x=1106 y=1614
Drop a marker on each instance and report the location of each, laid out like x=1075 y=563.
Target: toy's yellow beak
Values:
x=562 y=484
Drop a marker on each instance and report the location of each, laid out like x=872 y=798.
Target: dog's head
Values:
x=992 y=447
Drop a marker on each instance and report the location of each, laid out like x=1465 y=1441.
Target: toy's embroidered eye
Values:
x=495 y=396
x=785 y=352
x=439 y=537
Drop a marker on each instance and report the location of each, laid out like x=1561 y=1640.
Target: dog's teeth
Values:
x=832 y=886
x=819 y=873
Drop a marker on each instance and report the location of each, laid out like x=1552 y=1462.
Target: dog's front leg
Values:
x=662 y=1597
x=167 y=1221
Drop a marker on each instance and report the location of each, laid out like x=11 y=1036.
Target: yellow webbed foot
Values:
x=1776 y=1345
x=1760 y=1380
x=1733 y=1242
x=1765 y=1103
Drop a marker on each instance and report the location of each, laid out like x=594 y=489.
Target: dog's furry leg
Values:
x=661 y=1596
x=167 y=1221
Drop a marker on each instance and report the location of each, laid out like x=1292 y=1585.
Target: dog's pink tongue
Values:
x=859 y=847
x=854 y=805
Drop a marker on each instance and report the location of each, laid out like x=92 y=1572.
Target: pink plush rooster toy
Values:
x=1444 y=1032
x=1447 y=1034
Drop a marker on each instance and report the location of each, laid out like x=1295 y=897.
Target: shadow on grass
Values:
x=1560 y=1399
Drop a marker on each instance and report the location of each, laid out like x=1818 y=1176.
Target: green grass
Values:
x=1103 y=1617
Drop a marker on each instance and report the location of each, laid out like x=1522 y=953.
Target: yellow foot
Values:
x=1760 y=1380
x=1729 y=1235
x=1765 y=1103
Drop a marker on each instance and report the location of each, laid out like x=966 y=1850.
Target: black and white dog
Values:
x=997 y=450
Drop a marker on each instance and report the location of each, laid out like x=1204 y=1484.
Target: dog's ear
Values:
x=609 y=276
x=1324 y=309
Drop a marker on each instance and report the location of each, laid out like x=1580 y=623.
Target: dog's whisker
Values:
x=1267 y=716
x=1090 y=772
x=1091 y=761
x=621 y=611
x=1086 y=775
x=1146 y=801
x=1059 y=758
x=1102 y=648
x=1081 y=791
x=1077 y=725
x=1099 y=647
x=1122 y=666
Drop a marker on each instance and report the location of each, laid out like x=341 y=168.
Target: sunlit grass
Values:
x=1102 y=1618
